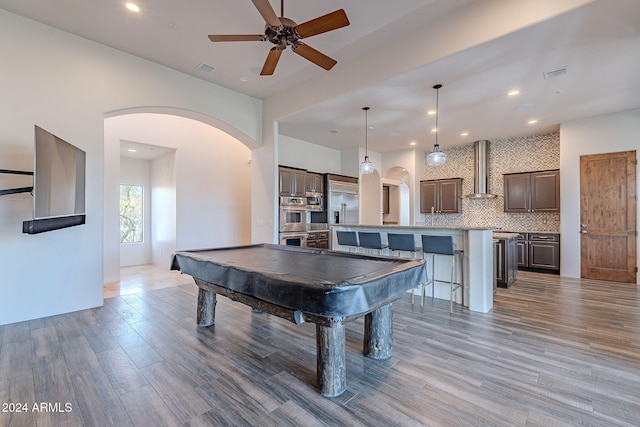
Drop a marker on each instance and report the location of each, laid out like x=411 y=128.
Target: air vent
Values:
x=206 y=68
x=554 y=73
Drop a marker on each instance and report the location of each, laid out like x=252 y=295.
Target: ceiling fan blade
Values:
x=322 y=24
x=272 y=61
x=315 y=56
x=236 y=37
x=267 y=12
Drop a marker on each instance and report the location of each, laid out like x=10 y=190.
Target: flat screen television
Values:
x=58 y=184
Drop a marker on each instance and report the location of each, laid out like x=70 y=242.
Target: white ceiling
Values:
x=598 y=43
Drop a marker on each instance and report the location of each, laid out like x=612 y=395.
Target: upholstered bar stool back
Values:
x=371 y=241
x=349 y=239
x=403 y=242
x=441 y=246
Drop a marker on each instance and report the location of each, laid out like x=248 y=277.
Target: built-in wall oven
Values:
x=293 y=214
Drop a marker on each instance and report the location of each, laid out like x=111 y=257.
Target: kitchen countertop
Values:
x=317 y=226
x=505 y=235
x=395 y=226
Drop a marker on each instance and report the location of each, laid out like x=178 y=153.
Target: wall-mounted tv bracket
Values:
x=16 y=190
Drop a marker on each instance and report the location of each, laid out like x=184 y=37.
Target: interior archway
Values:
x=203 y=180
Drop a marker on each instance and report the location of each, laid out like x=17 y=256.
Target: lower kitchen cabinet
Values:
x=506 y=259
x=318 y=240
x=539 y=252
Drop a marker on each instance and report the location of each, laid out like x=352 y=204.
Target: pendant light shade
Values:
x=366 y=167
x=437 y=157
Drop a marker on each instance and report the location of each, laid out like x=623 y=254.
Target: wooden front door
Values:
x=608 y=217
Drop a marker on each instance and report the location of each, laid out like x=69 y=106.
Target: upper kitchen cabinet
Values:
x=532 y=191
x=442 y=195
x=314 y=183
x=291 y=182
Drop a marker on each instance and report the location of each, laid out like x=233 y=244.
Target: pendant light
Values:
x=437 y=157
x=366 y=167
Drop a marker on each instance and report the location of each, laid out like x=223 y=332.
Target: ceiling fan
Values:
x=283 y=32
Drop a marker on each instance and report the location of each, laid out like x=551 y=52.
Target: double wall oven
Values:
x=293 y=221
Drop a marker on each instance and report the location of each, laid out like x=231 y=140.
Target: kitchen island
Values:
x=477 y=260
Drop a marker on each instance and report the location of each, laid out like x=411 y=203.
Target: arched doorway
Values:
x=200 y=186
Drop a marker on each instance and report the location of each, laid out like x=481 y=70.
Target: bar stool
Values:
x=348 y=239
x=404 y=243
x=441 y=246
x=371 y=240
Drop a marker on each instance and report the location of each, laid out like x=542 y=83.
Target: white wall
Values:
x=312 y=157
x=594 y=135
x=66 y=84
x=163 y=208
x=137 y=172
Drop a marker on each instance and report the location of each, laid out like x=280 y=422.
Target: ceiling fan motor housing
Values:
x=282 y=35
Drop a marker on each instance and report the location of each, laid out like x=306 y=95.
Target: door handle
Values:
x=584 y=225
x=584 y=231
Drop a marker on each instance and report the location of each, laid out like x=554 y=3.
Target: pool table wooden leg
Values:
x=331 y=361
x=378 y=333
x=206 y=315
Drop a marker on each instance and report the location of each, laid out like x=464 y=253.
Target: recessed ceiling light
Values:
x=431 y=112
x=533 y=121
x=413 y=143
x=131 y=150
x=513 y=92
x=464 y=134
x=434 y=130
x=244 y=79
x=132 y=7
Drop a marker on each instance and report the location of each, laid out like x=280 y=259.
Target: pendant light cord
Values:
x=437 y=88
x=366 y=131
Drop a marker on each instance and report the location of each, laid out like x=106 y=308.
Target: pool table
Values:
x=328 y=288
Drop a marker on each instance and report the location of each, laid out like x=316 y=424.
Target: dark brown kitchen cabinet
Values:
x=314 y=183
x=291 y=182
x=506 y=260
x=539 y=252
x=443 y=195
x=318 y=240
x=532 y=192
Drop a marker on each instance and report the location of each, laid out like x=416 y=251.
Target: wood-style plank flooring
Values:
x=553 y=352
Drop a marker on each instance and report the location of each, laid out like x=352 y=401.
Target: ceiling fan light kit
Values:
x=366 y=167
x=283 y=32
x=437 y=157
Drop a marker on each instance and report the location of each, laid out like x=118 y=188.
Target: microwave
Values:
x=315 y=202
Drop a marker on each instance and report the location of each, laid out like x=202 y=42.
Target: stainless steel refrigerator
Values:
x=344 y=203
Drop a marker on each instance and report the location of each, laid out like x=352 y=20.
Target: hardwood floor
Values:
x=554 y=351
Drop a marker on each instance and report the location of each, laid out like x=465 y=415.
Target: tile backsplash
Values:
x=522 y=154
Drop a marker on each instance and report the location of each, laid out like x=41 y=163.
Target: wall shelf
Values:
x=16 y=190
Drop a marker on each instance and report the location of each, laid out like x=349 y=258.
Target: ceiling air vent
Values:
x=206 y=68
x=554 y=73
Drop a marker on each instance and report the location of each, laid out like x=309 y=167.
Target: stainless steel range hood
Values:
x=481 y=171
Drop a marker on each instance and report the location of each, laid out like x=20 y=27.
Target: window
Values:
x=131 y=218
